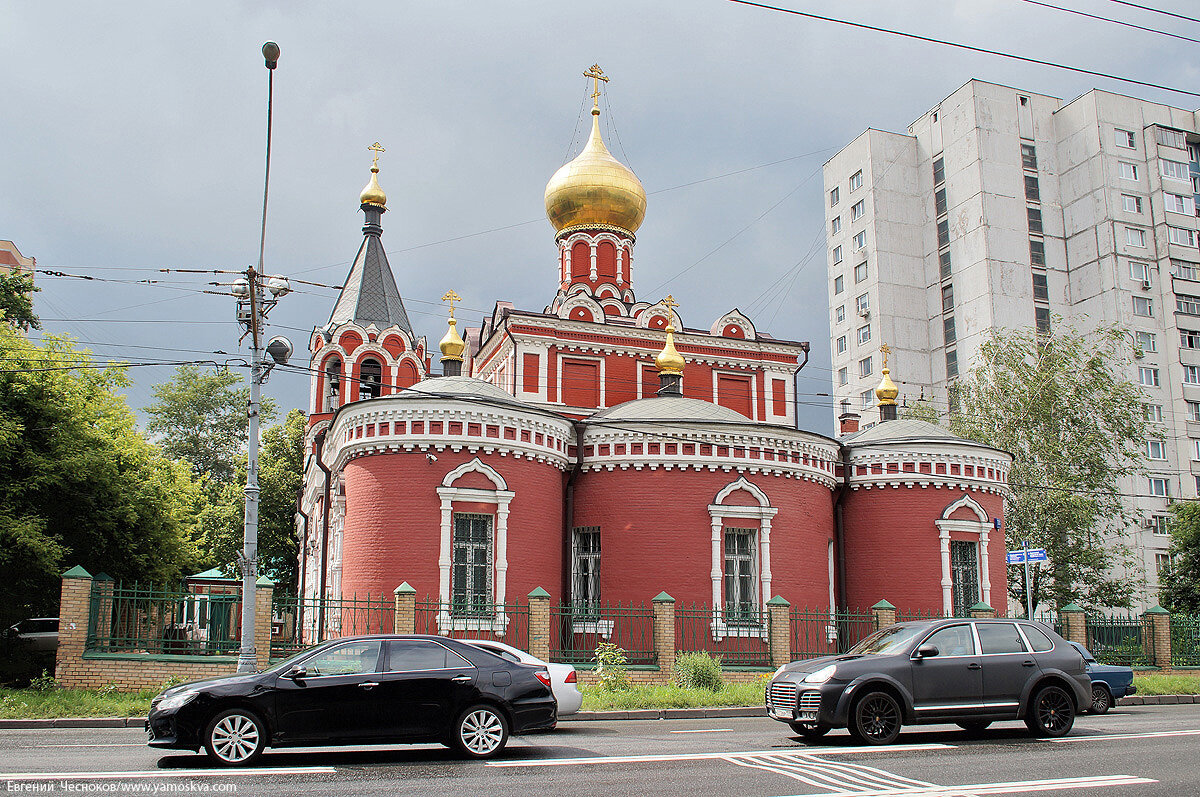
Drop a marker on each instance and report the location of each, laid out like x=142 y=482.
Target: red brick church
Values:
x=605 y=451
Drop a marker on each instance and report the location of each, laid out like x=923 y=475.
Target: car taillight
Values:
x=570 y=679
x=544 y=677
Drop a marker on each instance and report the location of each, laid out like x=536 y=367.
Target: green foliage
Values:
x=698 y=671
x=1166 y=684
x=922 y=410
x=1064 y=407
x=78 y=483
x=16 y=300
x=610 y=667
x=28 y=704
x=44 y=682
x=1181 y=592
x=670 y=696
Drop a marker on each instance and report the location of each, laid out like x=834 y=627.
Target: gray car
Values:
x=968 y=672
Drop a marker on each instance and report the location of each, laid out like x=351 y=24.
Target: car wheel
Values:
x=974 y=726
x=235 y=738
x=809 y=732
x=875 y=718
x=1101 y=699
x=1051 y=712
x=481 y=732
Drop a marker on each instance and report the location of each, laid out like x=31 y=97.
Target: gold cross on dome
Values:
x=886 y=349
x=376 y=148
x=450 y=298
x=596 y=74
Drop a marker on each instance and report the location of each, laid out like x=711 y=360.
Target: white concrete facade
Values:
x=1085 y=210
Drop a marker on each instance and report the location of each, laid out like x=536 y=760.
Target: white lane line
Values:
x=830 y=774
x=707 y=730
x=1112 y=736
x=1024 y=786
x=168 y=773
x=658 y=759
x=143 y=744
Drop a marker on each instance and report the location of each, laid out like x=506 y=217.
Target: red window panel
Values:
x=650 y=380
x=779 y=396
x=733 y=392
x=581 y=383
x=531 y=372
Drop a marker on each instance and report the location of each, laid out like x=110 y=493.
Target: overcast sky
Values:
x=131 y=137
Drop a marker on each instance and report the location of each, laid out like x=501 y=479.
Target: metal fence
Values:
x=1185 y=640
x=297 y=623
x=575 y=631
x=740 y=638
x=501 y=622
x=917 y=615
x=820 y=632
x=1118 y=640
x=1052 y=620
x=148 y=619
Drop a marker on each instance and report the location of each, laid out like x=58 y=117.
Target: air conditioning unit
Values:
x=1148 y=523
x=1146 y=283
x=864 y=313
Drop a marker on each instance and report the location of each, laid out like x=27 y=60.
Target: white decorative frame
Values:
x=982 y=527
x=717 y=512
x=501 y=496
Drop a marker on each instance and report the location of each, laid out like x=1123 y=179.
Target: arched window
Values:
x=371 y=376
x=333 y=385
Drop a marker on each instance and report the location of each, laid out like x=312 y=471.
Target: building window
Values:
x=1148 y=377
x=841 y=345
x=471 y=566
x=939 y=202
x=1125 y=139
x=1193 y=153
x=858 y=209
x=860 y=240
x=333 y=385
x=1181 y=236
x=370 y=379
x=865 y=367
x=856 y=180
x=1179 y=203
x=939 y=171
x=1035 y=219
x=1160 y=488
x=1139 y=271
x=947 y=297
x=834 y=193
x=951 y=363
x=1143 y=307
x=1041 y=291
x=840 y=314
x=741 y=575
x=1174 y=170
x=1028 y=157
x=1191 y=374
x=860 y=272
x=1032 y=193
x=1041 y=320
x=944 y=266
x=1188 y=305
x=964 y=575
x=1193 y=411
x=1154 y=414
x=835 y=226
x=1131 y=203
x=1135 y=237
x=839 y=284
x=1169 y=138
x=1147 y=341
x=863 y=304
x=1156 y=449
x=585 y=569
x=866 y=398
x=1159 y=525
x=1128 y=171
x=948 y=332
x=864 y=334
x=1162 y=565
x=1188 y=339
x=943 y=233
x=1037 y=252
x=837 y=255
x=843 y=376
x=1195 y=449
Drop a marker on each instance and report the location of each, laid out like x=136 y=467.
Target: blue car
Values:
x=1110 y=683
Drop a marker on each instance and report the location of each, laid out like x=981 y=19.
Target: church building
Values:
x=605 y=451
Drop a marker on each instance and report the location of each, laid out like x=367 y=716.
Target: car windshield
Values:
x=886 y=640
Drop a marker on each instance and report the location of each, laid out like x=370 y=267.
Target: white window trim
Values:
x=717 y=513
x=982 y=527
x=753 y=388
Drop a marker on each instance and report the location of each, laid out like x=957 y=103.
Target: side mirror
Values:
x=296 y=673
x=927 y=651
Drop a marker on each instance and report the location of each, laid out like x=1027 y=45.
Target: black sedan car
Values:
x=359 y=690
x=969 y=672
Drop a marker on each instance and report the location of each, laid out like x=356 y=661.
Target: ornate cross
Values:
x=596 y=74
x=376 y=148
x=670 y=304
x=886 y=349
x=450 y=298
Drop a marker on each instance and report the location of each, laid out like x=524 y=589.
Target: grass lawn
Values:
x=597 y=699
x=1168 y=684
x=29 y=704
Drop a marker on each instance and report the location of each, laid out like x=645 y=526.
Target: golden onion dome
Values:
x=669 y=360
x=887 y=390
x=595 y=190
x=452 y=344
x=372 y=194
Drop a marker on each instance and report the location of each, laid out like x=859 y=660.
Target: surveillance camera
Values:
x=431 y=458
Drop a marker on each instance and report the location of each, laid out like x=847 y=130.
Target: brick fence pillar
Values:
x=884 y=614
x=74 y=609
x=981 y=610
x=405 y=621
x=102 y=588
x=539 y=624
x=1156 y=637
x=264 y=596
x=780 y=622
x=1074 y=623
x=664 y=633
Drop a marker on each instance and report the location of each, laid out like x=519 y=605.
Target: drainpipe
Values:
x=303 y=565
x=569 y=508
x=320 y=441
x=839 y=542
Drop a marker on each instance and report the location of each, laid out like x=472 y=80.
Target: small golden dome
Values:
x=373 y=194
x=887 y=390
x=452 y=344
x=595 y=190
x=669 y=360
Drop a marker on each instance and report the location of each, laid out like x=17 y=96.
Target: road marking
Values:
x=830 y=775
x=168 y=773
x=1024 y=786
x=1112 y=736
x=707 y=730
x=657 y=759
x=122 y=744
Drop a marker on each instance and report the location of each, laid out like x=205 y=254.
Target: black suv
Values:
x=969 y=672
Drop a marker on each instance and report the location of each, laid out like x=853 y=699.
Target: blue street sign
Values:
x=1033 y=555
x=1016 y=557
x=1037 y=554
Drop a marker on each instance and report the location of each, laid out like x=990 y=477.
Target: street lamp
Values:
x=252 y=309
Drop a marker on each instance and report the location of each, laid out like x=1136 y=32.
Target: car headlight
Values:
x=821 y=676
x=176 y=701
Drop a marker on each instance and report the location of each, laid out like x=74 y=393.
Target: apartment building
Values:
x=1004 y=208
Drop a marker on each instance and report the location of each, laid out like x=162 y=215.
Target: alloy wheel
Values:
x=1101 y=701
x=878 y=718
x=235 y=738
x=482 y=732
x=1054 y=711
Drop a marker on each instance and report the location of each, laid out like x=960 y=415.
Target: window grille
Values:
x=964 y=573
x=741 y=575
x=471 y=569
x=585 y=569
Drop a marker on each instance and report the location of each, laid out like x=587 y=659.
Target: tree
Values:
x=78 y=483
x=1063 y=406
x=1181 y=591
x=200 y=418
x=280 y=476
x=922 y=410
x=16 y=300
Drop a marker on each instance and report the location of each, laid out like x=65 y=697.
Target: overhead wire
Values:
x=1154 y=10
x=1111 y=20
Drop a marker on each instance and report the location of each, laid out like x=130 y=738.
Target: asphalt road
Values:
x=1140 y=750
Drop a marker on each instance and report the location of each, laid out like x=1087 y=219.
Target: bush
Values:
x=610 y=667
x=698 y=671
x=43 y=683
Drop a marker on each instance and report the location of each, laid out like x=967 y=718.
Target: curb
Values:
x=75 y=722
x=1157 y=700
x=667 y=714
